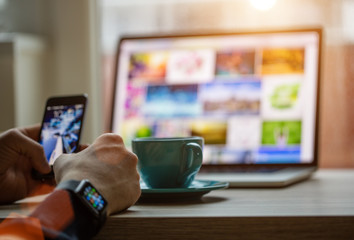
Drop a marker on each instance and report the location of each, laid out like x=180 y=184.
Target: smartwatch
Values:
x=91 y=200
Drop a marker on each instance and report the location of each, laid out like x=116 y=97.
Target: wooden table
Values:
x=321 y=207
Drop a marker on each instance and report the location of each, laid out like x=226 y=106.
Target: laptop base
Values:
x=280 y=178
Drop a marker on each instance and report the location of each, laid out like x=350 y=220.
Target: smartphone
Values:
x=61 y=127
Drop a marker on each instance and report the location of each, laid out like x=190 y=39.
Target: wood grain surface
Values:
x=321 y=207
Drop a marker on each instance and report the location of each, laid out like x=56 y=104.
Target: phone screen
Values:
x=61 y=129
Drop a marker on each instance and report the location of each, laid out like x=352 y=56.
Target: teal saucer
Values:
x=196 y=190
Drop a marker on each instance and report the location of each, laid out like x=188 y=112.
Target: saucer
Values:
x=196 y=190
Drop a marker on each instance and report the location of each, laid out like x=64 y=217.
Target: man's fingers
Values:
x=31 y=149
x=31 y=131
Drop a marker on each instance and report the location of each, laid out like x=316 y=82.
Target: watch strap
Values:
x=72 y=187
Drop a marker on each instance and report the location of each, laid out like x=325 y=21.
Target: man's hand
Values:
x=109 y=166
x=19 y=154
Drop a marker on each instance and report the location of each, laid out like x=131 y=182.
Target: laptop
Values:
x=252 y=96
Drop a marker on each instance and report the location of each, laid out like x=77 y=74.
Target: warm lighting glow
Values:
x=263 y=4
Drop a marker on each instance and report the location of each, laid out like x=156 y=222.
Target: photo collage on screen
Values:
x=244 y=102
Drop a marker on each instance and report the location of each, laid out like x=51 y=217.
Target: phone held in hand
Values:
x=61 y=127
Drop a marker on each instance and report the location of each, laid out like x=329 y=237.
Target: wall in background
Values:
x=74 y=37
x=24 y=25
x=69 y=31
x=336 y=147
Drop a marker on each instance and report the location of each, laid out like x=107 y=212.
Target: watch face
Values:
x=93 y=198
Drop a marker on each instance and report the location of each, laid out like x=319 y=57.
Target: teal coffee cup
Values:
x=168 y=162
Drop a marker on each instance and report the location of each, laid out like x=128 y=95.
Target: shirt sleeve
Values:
x=59 y=216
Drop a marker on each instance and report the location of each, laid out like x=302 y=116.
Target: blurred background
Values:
x=61 y=47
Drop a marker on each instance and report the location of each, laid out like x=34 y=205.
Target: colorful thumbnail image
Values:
x=171 y=128
x=283 y=61
x=213 y=131
x=134 y=100
x=218 y=154
x=172 y=101
x=235 y=62
x=285 y=96
x=281 y=97
x=244 y=132
x=190 y=66
x=133 y=128
x=146 y=127
x=231 y=98
x=275 y=155
x=280 y=142
x=149 y=67
x=281 y=133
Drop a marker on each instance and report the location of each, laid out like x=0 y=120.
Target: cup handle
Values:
x=193 y=154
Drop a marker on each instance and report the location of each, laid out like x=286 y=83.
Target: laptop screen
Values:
x=251 y=96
